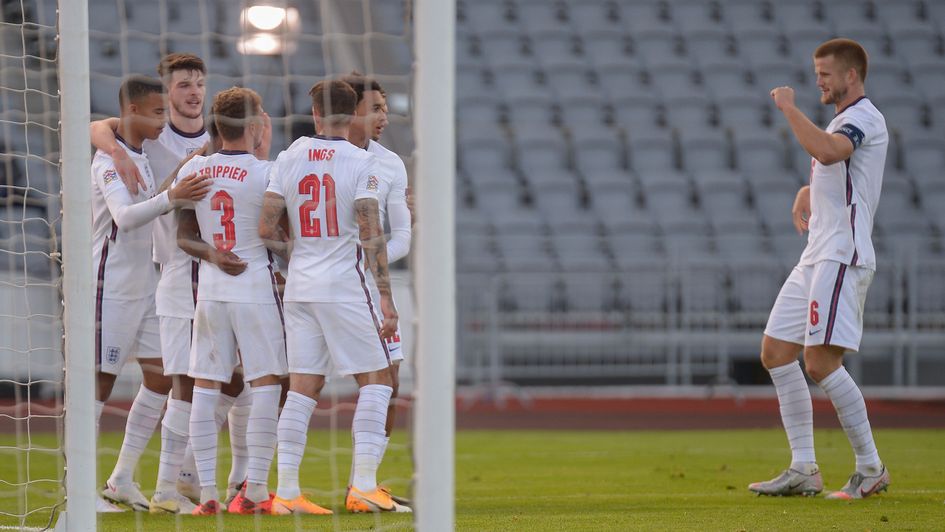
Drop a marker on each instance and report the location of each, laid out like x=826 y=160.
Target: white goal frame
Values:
x=77 y=280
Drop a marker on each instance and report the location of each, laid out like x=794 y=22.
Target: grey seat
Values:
x=709 y=44
x=525 y=252
x=605 y=45
x=759 y=150
x=104 y=56
x=689 y=113
x=804 y=40
x=579 y=253
x=760 y=45
x=590 y=16
x=744 y=111
x=528 y=292
x=798 y=16
x=499 y=44
x=916 y=43
x=903 y=112
x=105 y=96
x=537 y=15
x=691 y=16
x=651 y=150
x=488 y=14
x=929 y=76
x=773 y=198
x=553 y=43
x=657 y=44
x=622 y=81
x=569 y=79
x=755 y=283
x=590 y=292
x=485 y=156
x=704 y=150
x=739 y=240
x=725 y=76
x=686 y=234
x=581 y=113
x=599 y=155
x=673 y=77
x=749 y=16
x=388 y=16
x=922 y=153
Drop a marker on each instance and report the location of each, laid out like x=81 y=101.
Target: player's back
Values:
x=121 y=256
x=229 y=220
x=320 y=179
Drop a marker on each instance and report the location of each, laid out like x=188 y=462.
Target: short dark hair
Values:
x=231 y=110
x=361 y=84
x=847 y=51
x=333 y=98
x=137 y=86
x=171 y=63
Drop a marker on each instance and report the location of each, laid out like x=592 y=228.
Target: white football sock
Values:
x=261 y=437
x=368 y=430
x=175 y=433
x=797 y=413
x=224 y=403
x=851 y=409
x=293 y=433
x=238 y=418
x=142 y=420
x=203 y=436
x=188 y=469
x=382 y=450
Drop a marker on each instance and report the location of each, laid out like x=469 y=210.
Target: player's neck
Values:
x=239 y=145
x=187 y=126
x=852 y=96
x=128 y=137
x=342 y=131
x=358 y=138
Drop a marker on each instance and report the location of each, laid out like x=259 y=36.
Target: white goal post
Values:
x=435 y=271
x=78 y=286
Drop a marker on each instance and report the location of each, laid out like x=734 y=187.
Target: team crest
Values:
x=372 y=183
x=112 y=354
x=109 y=176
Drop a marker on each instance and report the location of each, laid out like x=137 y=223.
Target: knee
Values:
x=821 y=361
x=776 y=353
x=157 y=383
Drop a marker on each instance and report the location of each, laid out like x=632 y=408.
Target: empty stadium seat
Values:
x=651 y=150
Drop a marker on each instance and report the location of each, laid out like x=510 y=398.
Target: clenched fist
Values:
x=783 y=97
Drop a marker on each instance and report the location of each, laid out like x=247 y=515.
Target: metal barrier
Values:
x=679 y=322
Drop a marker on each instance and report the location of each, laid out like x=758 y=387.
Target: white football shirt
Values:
x=320 y=179
x=175 y=292
x=844 y=195
x=229 y=220
x=121 y=258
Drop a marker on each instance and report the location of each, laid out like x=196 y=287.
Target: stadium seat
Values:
x=758 y=150
x=916 y=43
x=773 y=197
x=553 y=43
x=689 y=113
x=738 y=240
x=775 y=72
x=709 y=44
x=686 y=234
x=760 y=45
x=921 y=152
x=590 y=292
x=903 y=111
x=749 y=16
x=581 y=113
x=500 y=44
x=518 y=80
x=488 y=14
x=569 y=79
x=804 y=40
x=726 y=77
x=651 y=150
x=530 y=114
x=104 y=56
x=388 y=16
x=539 y=155
x=870 y=35
x=744 y=111
x=691 y=16
x=657 y=45
x=704 y=150
x=105 y=96
x=755 y=283
x=929 y=76
x=485 y=156
x=528 y=253
x=580 y=253
x=798 y=16
x=636 y=16
x=623 y=82
x=674 y=77
x=606 y=45
x=599 y=155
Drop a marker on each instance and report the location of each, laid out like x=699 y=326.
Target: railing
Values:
x=681 y=322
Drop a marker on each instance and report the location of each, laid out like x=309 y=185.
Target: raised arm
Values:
x=188 y=239
x=102 y=133
x=375 y=250
x=827 y=148
x=273 y=227
x=129 y=215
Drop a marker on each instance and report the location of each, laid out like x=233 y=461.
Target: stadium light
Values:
x=265 y=18
x=268 y=30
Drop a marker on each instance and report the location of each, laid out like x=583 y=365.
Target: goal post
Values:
x=78 y=286
x=434 y=24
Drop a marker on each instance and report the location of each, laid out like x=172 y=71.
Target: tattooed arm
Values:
x=273 y=228
x=375 y=252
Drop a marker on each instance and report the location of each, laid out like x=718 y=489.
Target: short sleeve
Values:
x=369 y=184
x=273 y=175
x=858 y=127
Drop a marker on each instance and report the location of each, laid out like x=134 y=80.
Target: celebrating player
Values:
x=183 y=76
x=820 y=306
x=329 y=188
x=370 y=119
x=125 y=308
x=237 y=306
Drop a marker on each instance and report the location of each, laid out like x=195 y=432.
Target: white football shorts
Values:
x=176 y=334
x=125 y=328
x=333 y=338
x=222 y=328
x=394 y=347
x=821 y=304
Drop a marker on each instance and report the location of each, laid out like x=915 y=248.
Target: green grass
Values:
x=572 y=481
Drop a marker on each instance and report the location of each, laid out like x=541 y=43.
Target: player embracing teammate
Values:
x=820 y=307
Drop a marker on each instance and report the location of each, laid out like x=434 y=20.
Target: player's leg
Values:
x=212 y=334
x=260 y=337
x=175 y=427
x=842 y=290
x=145 y=412
x=781 y=346
x=307 y=355
x=114 y=342
x=235 y=404
x=356 y=349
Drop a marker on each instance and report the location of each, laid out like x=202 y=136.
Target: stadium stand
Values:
x=622 y=177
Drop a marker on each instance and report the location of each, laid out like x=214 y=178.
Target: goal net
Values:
x=279 y=48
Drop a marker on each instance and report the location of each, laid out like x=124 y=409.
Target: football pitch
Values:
x=593 y=480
